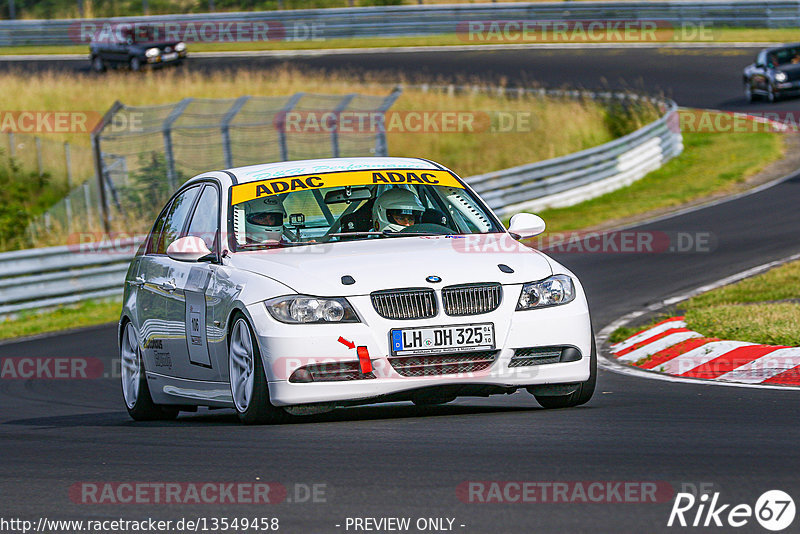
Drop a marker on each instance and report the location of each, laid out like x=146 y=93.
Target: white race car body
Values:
x=431 y=316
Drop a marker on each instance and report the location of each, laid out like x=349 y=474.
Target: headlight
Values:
x=152 y=52
x=180 y=47
x=780 y=76
x=558 y=289
x=300 y=309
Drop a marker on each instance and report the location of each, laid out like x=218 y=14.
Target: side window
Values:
x=175 y=219
x=152 y=241
x=761 y=60
x=206 y=217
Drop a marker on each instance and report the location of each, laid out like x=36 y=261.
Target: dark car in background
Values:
x=774 y=74
x=135 y=47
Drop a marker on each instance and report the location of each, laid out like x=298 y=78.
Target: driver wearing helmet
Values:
x=264 y=220
x=396 y=209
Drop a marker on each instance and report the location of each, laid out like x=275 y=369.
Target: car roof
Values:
x=781 y=47
x=319 y=166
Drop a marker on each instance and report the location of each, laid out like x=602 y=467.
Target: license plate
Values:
x=438 y=339
x=170 y=56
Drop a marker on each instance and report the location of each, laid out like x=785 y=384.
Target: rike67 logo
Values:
x=774 y=510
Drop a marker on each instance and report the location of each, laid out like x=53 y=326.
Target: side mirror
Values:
x=525 y=225
x=189 y=248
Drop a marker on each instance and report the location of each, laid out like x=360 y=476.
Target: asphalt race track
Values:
x=695 y=77
x=404 y=461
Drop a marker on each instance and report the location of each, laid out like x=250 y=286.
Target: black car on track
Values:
x=774 y=74
x=135 y=47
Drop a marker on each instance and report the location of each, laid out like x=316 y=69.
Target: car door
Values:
x=118 y=49
x=151 y=273
x=759 y=78
x=192 y=280
x=162 y=331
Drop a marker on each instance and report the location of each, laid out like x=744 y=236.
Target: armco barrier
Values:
x=46 y=277
x=435 y=19
x=583 y=175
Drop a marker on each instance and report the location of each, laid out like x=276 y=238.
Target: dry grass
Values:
x=554 y=127
x=541 y=127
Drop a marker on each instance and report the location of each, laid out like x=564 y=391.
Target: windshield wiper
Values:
x=274 y=244
x=414 y=234
x=385 y=233
x=353 y=234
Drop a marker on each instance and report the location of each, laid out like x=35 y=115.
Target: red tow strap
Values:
x=363 y=360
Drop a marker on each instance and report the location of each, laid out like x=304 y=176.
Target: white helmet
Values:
x=264 y=220
x=396 y=204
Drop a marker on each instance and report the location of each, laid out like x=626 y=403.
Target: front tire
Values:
x=135 y=391
x=98 y=65
x=135 y=64
x=248 y=380
x=582 y=394
x=748 y=92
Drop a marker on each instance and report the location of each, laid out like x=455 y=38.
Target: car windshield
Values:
x=785 y=56
x=354 y=205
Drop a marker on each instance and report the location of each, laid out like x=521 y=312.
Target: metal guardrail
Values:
x=582 y=175
x=46 y=277
x=432 y=19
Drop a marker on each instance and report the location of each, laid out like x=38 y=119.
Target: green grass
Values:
x=762 y=309
x=719 y=35
x=781 y=283
x=702 y=150
x=79 y=315
x=710 y=163
x=775 y=323
x=542 y=127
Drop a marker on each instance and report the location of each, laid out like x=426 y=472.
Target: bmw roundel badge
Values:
x=433 y=279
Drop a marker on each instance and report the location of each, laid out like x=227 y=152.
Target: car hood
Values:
x=398 y=262
x=156 y=44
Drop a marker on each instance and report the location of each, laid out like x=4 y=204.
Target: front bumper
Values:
x=285 y=348
x=788 y=88
x=172 y=58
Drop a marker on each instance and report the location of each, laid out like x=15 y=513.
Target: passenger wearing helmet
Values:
x=396 y=209
x=264 y=220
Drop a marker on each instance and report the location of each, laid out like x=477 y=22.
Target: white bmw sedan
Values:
x=293 y=288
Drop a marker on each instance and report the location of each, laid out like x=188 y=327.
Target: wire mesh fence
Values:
x=62 y=166
x=141 y=155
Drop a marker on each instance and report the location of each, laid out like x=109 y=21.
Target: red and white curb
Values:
x=669 y=347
